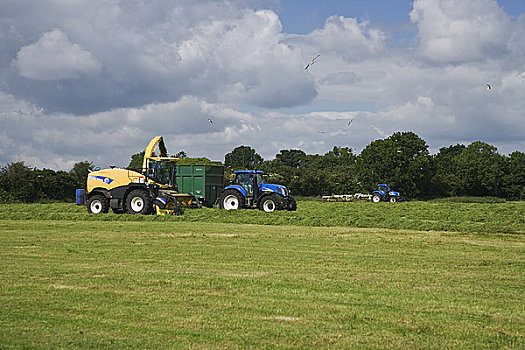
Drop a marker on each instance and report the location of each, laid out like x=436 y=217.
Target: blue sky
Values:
x=97 y=80
x=303 y=16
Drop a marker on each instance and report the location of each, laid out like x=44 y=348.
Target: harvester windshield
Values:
x=162 y=172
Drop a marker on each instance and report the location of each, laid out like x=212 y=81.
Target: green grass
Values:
x=507 y=217
x=469 y=199
x=73 y=280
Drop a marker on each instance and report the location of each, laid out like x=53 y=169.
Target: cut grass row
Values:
x=507 y=217
x=153 y=284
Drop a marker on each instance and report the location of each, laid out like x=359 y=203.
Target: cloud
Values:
x=121 y=54
x=54 y=57
x=460 y=31
x=344 y=37
x=116 y=74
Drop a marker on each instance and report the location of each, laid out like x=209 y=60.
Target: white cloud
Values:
x=344 y=37
x=54 y=57
x=459 y=31
x=132 y=70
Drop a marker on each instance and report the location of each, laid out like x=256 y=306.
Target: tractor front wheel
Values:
x=269 y=203
x=393 y=199
x=231 y=200
x=138 y=202
x=292 y=204
x=97 y=204
x=376 y=198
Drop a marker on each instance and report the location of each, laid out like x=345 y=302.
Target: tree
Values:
x=292 y=158
x=181 y=155
x=445 y=179
x=515 y=176
x=479 y=170
x=80 y=172
x=514 y=181
x=402 y=160
x=136 y=161
x=19 y=182
x=56 y=185
x=243 y=157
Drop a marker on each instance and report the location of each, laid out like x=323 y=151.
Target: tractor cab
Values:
x=383 y=188
x=248 y=180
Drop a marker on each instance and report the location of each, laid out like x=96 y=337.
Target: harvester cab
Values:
x=385 y=193
x=248 y=190
x=161 y=170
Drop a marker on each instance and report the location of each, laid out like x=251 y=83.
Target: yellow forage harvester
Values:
x=152 y=189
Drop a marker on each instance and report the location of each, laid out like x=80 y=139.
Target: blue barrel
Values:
x=80 y=196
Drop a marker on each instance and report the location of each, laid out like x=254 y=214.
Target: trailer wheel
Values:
x=231 y=200
x=292 y=204
x=97 y=204
x=376 y=198
x=269 y=203
x=138 y=202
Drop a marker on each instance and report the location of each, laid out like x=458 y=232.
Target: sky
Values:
x=96 y=80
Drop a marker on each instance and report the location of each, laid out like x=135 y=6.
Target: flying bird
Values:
x=489 y=87
x=350 y=122
x=311 y=62
x=211 y=121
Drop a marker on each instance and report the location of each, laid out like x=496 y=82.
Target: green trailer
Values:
x=205 y=182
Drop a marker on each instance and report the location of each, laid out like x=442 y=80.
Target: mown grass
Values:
x=206 y=285
x=507 y=217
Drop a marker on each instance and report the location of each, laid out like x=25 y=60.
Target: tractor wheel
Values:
x=292 y=204
x=270 y=203
x=376 y=198
x=230 y=200
x=393 y=199
x=97 y=204
x=138 y=202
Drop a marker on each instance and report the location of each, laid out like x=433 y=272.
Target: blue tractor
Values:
x=384 y=193
x=249 y=191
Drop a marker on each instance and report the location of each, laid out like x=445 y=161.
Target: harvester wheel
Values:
x=269 y=203
x=97 y=204
x=138 y=202
x=230 y=200
x=376 y=198
x=292 y=204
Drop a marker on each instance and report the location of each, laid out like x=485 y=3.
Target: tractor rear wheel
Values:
x=270 y=203
x=97 y=204
x=376 y=198
x=138 y=202
x=231 y=200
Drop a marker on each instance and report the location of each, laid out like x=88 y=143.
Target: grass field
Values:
x=411 y=275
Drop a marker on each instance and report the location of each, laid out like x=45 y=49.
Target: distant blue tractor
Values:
x=384 y=193
x=249 y=191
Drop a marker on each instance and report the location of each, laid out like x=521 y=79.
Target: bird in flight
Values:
x=311 y=62
x=211 y=121
x=489 y=87
x=350 y=122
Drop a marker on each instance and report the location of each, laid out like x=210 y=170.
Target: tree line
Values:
x=402 y=160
